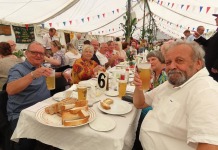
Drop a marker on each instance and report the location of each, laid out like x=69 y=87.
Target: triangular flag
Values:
x=103 y=14
x=201 y=7
x=113 y=11
x=188 y=27
x=27 y=26
x=88 y=18
x=113 y=29
x=98 y=16
x=43 y=25
x=158 y=2
x=50 y=24
x=208 y=8
x=64 y=23
x=117 y=10
x=187 y=7
x=182 y=6
x=207 y=30
x=70 y=22
x=82 y=20
x=102 y=31
x=161 y=2
x=168 y=3
x=172 y=5
x=99 y=32
x=193 y=28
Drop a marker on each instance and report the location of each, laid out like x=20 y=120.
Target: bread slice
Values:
x=76 y=122
x=67 y=106
x=83 y=114
x=67 y=115
x=108 y=101
x=77 y=109
x=81 y=103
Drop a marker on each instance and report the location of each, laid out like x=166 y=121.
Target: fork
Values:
x=90 y=105
x=114 y=114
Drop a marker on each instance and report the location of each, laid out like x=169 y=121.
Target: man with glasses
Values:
x=27 y=86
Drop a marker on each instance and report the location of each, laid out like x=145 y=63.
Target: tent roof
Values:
x=101 y=17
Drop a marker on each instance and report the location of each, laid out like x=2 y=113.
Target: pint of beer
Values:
x=82 y=92
x=144 y=71
x=50 y=81
x=122 y=87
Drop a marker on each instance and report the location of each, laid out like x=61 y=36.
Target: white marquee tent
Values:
x=103 y=17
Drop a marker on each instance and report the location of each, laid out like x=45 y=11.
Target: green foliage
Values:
x=128 y=30
x=19 y=53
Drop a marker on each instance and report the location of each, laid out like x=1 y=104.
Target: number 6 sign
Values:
x=102 y=80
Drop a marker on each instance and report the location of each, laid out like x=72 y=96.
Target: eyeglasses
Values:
x=36 y=53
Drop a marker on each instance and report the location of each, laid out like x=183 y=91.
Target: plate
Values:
x=112 y=93
x=58 y=96
x=55 y=120
x=103 y=124
x=119 y=107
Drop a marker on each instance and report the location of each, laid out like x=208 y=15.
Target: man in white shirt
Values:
x=188 y=36
x=184 y=115
x=76 y=42
x=46 y=41
x=101 y=54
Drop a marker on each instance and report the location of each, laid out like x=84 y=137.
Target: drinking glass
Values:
x=144 y=71
x=82 y=92
x=122 y=88
x=50 y=81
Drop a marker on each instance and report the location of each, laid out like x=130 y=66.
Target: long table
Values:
x=79 y=138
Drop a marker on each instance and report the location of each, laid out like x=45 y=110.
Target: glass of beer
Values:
x=82 y=92
x=50 y=81
x=144 y=71
x=122 y=88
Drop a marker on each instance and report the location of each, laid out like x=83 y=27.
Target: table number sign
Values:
x=102 y=80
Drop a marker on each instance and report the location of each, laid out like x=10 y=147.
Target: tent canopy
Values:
x=101 y=17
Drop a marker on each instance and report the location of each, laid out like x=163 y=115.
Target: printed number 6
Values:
x=101 y=80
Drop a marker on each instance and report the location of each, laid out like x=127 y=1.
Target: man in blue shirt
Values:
x=27 y=86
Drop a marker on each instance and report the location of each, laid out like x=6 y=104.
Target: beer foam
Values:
x=144 y=66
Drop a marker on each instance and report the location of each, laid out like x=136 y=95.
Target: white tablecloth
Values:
x=78 y=138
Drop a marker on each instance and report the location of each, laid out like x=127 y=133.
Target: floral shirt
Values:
x=83 y=69
x=161 y=79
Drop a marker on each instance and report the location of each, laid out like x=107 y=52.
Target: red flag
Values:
x=172 y=5
x=118 y=10
x=50 y=24
x=27 y=26
x=161 y=2
x=70 y=22
x=208 y=8
x=88 y=18
x=187 y=7
x=103 y=14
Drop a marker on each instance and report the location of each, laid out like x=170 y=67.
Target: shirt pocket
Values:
x=167 y=110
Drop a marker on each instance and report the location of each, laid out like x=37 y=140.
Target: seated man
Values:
x=27 y=86
x=184 y=107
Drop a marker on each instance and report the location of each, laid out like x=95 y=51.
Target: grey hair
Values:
x=32 y=43
x=197 y=51
x=156 y=54
x=87 y=46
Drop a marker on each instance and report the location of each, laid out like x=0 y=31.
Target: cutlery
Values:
x=114 y=114
x=90 y=105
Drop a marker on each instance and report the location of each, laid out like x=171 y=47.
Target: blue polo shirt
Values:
x=34 y=93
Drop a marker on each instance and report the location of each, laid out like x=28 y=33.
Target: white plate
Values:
x=112 y=93
x=55 y=120
x=58 y=96
x=61 y=95
x=119 y=107
x=103 y=124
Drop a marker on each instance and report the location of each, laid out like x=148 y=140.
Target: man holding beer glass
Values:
x=184 y=107
x=26 y=86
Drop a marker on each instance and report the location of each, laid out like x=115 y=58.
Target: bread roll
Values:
x=108 y=101
x=105 y=106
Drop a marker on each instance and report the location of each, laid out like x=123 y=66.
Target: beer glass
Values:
x=144 y=71
x=50 y=81
x=82 y=92
x=122 y=87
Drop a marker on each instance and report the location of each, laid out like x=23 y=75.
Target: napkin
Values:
x=88 y=83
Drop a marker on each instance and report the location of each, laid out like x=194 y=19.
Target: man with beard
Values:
x=184 y=115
